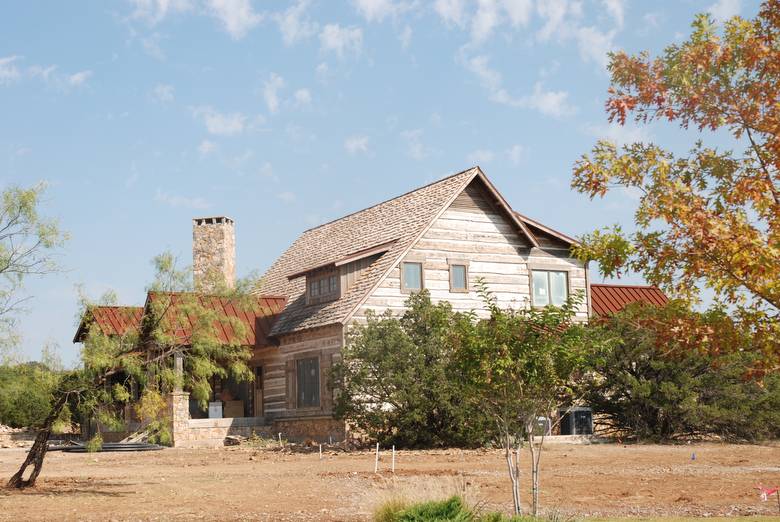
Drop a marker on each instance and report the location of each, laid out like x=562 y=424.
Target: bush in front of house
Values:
x=25 y=394
x=397 y=381
x=673 y=373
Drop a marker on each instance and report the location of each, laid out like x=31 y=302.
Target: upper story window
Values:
x=322 y=287
x=459 y=276
x=411 y=277
x=550 y=287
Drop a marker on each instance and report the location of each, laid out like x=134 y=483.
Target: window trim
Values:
x=404 y=289
x=465 y=264
x=547 y=270
x=304 y=357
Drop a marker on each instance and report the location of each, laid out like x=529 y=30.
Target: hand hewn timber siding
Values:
x=280 y=371
x=474 y=231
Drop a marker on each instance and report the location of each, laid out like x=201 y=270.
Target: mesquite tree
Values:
x=177 y=323
x=518 y=366
x=710 y=217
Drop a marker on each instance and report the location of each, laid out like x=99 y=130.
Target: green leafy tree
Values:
x=28 y=242
x=178 y=324
x=398 y=383
x=709 y=217
x=669 y=372
x=518 y=366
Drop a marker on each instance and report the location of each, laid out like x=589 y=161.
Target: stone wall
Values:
x=213 y=252
x=319 y=429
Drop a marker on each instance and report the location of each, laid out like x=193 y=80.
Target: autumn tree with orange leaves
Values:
x=709 y=218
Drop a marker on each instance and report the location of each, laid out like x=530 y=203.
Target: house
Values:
x=441 y=237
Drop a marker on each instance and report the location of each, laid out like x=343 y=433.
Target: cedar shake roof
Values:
x=112 y=320
x=608 y=299
x=393 y=225
x=119 y=320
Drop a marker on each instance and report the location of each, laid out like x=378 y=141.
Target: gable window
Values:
x=411 y=277
x=322 y=287
x=459 y=276
x=308 y=382
x=550 y=287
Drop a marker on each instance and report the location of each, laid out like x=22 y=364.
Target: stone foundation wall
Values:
x=211 y=433
x=318 y=429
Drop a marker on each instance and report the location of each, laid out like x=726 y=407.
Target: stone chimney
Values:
x=213 y=253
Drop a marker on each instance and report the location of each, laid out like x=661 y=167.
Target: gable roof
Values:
x=258 y=320
x=539 y=229
x=112 y=320
x=392 y=227
x=608 y=299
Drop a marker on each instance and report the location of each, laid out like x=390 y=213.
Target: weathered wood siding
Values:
x=279 y=393
x=475 y=231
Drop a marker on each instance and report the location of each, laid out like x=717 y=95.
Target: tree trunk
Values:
x=38 y=451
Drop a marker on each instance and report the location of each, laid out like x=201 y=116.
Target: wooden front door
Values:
x=257 y=398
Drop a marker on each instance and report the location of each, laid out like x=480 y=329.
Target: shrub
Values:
x=398 y=383
x=25 y=394
x=670 y=372
x=453 y=509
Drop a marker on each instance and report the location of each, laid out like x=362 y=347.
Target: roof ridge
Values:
x=392 y=199
x=624 y=285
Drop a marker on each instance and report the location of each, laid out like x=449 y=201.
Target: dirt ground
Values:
x=241 y=483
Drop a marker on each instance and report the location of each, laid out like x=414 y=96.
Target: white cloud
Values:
x=723 y=10
x=206 y=147
x=237 y=16
x=515 y=153
x=293 y=23
x=151 y=46
x=550 y=103
x=619 y=134
x=378 y=10
x=323 y=72
x=163 y=92
x=286 y=197
x=267 y=171
x=480 y=156
x=341 y=40
x=8 y=71
x=452 y=12
x=271 y=90
x=405 y=37
x=302 y=97
x=79 y=78
x=553 y=12
x=414 y=146
x=154 y=11
x=617 y=10
x=356 y=144
x=176 y=201
x=44 y=73
x=223 y=124
x=486 y=19
x=519 y=11
x=594 y=45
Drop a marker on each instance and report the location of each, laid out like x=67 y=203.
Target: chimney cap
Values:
x=215 y=220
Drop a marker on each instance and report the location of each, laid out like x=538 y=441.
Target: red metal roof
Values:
x=258 y=316
x=112 y=320
x=608 y=299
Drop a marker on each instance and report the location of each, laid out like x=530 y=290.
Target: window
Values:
x=549 y=287
x=322 y=287
x=411 y=277
x=308 y=382
x=459 y=279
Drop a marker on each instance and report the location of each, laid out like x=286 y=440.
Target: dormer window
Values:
x=322 y=287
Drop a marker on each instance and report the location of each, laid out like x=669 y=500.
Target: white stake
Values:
x=393 y=458
x=376 y=460
x=320 y=451
x=330 y=440
x=280 y=440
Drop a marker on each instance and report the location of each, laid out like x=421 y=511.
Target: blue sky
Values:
x=143 y=114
